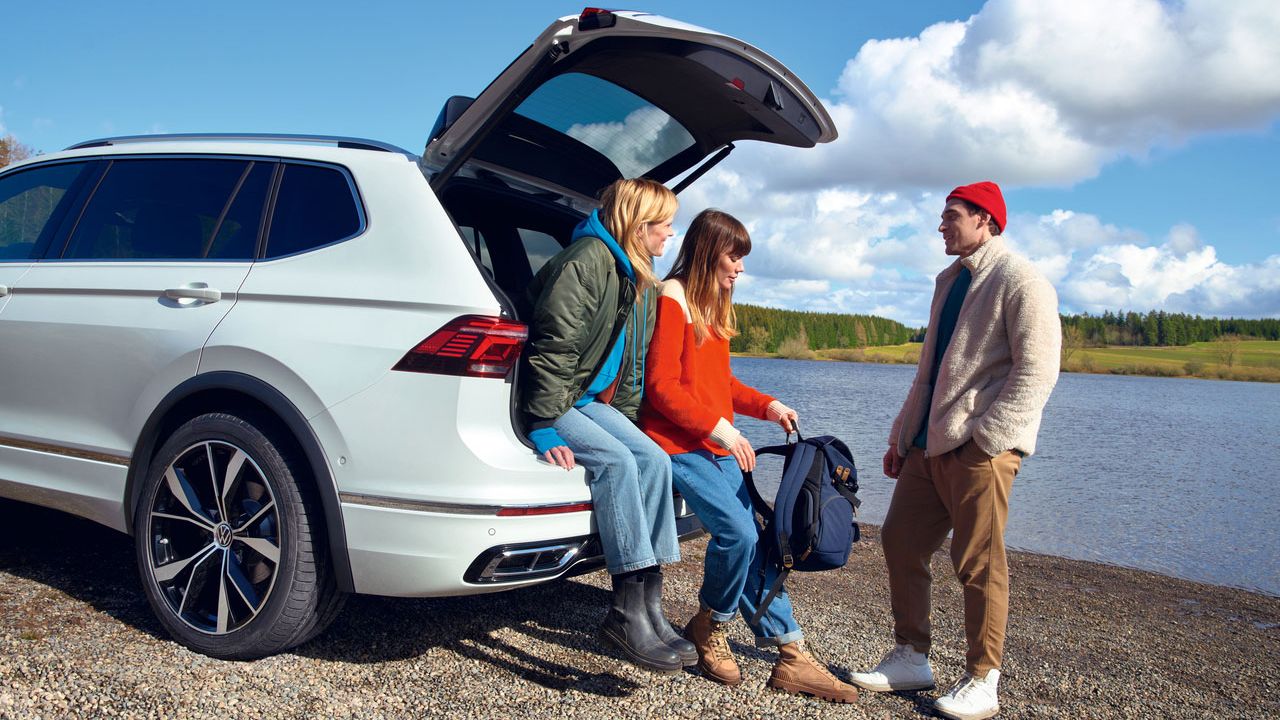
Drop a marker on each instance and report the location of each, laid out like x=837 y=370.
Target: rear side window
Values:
x=314 y=206
x=539 y=247
x=161 y=209
x=27 y=202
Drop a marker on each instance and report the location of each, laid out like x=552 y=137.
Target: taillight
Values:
x=472 y=345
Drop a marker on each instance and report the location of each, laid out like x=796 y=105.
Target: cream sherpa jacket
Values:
x=1001 y=365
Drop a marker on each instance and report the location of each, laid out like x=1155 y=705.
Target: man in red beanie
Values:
x=989 y=362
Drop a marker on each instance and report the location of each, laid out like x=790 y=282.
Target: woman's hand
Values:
x=560 y=455
x=783 y=415
x=743 y=453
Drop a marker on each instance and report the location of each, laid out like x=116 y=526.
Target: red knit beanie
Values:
x=985 y=195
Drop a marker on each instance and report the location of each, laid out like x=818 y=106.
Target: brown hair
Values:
x=626 y=207
x=712 y=235
x=974 y=210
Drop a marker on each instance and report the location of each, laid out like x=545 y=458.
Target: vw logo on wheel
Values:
x=223 y=535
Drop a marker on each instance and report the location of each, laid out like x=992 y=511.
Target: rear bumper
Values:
x=566 y=557
x=401 y=552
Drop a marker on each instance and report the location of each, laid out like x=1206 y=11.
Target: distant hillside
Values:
x=768 y=330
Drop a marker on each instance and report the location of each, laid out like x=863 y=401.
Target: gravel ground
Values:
x=77 y=639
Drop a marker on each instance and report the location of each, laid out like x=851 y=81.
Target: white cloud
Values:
x=838 y=250
x=1027 y=93
x=1122 y=269
x=1037 y=93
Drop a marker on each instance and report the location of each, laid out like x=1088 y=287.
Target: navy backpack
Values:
x=811 y=525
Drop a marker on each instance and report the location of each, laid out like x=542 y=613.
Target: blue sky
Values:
x=1138 y=142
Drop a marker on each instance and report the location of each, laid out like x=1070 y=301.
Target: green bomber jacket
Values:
x=581 y=301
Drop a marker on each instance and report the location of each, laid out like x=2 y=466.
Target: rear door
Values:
x=116 y=314
x=622 y=94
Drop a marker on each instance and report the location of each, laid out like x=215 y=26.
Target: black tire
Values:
x=233 y=561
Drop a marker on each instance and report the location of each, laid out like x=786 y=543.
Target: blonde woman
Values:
x=593 y=314
x=688 y=411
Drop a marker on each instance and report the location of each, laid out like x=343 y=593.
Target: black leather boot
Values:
x=627 y=626
x=653 y=602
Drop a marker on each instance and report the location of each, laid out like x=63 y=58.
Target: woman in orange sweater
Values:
x=689 y=403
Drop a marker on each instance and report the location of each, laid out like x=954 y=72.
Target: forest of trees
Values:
x=1162 y=328
x=767 y=330
x=764 y=330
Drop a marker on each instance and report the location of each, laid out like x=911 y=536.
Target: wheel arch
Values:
x=224 y=391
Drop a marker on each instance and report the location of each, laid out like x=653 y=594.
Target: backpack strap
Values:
x=773 y=592
x=783 y=450
x=757 y=501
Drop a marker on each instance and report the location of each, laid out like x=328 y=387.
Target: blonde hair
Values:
x=712 y=235
x=627 y=206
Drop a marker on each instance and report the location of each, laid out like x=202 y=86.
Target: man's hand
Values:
x=560 y=455
x=745 y=456
x=892 y=461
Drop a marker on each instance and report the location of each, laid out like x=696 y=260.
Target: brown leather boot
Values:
x=715 y=659
x=798 y=672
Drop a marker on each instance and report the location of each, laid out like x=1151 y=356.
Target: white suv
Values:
x=286 y=365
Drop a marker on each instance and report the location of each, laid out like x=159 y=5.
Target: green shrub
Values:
x=796 y=347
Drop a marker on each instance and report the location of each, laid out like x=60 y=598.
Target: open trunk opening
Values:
x=511 y=233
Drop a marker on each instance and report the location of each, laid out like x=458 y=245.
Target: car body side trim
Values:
x=417 y=505
x=435 y=506
x=64 y=450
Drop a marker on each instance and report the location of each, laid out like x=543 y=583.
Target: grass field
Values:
x=1252 y=360
x=1257 y=360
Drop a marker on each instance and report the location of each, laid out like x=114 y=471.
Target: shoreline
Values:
x=1085 y=640
x=868 y=355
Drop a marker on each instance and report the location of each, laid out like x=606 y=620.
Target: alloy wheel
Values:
x=213 y=531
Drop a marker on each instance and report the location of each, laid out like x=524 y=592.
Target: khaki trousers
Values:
x=966 y=491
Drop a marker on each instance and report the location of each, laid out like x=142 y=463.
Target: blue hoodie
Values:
x=546 y=438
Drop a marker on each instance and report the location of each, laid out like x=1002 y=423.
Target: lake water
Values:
x=1177 y=476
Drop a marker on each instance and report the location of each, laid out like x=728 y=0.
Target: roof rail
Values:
x=338 y=141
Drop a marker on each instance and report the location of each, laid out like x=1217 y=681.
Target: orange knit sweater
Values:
x=690 y=387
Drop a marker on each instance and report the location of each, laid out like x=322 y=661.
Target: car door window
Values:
x=28 y=199
x=155 y=209
x=236 y=236
x=315 y=206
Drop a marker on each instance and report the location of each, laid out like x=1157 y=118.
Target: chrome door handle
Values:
x=206 y=294
x=4 y=290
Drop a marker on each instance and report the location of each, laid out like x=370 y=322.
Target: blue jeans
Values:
x=630 y=481
x=713 y=486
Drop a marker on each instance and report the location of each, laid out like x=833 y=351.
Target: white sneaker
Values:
x=971 y=698
x=902 y=668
